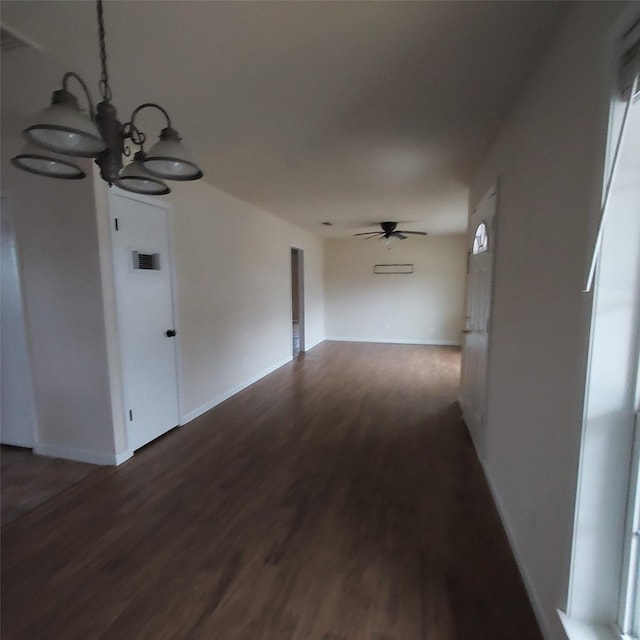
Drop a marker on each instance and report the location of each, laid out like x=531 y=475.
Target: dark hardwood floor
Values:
x=28 y=480
x=339 y=498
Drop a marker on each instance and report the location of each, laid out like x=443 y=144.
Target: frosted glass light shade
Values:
x=45 y=163
x=134 y=178
x=63 y=128
x=168 y=159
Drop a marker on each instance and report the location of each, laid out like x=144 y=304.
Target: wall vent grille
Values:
x=147 y=261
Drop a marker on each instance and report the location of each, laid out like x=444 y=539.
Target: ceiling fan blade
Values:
x=368 y=233
x=414 y=233
x=377 y=235
x=397 y=234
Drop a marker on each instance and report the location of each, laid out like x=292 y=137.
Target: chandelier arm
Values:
x=65 y=80
x=131 y=132
x=144 y=106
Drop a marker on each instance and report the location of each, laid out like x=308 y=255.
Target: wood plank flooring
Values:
x=337 y=499
x=28 y=480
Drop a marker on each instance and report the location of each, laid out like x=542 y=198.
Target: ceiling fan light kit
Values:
x=63 y=128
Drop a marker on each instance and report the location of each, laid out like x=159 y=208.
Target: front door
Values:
x=142 y=262
x=473 y=388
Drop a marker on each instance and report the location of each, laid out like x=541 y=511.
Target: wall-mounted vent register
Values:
x=149 y=261
x=393 y=269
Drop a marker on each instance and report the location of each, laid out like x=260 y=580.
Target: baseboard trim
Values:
x=314 y=344
x=435 y=343
x=192 y=415
x=538 y=609
x=123 y=456
x=81 y=455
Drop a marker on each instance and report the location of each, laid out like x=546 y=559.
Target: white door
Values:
x=473 y=386
x=17 y=401
x=142 y=263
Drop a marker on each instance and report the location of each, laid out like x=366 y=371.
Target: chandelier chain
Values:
x=105 y=89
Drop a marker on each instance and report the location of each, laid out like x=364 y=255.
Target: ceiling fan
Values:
x=389 y=231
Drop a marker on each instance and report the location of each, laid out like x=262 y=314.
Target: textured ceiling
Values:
x=349 y=112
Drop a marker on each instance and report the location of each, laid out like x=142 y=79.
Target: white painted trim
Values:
x=440 y=343
x=538 y=609
x=81 y=455
x=577 y=630
x=102 y=198
x=123 y=456
x=139 y=197
x=173 y=272
x=192 y=415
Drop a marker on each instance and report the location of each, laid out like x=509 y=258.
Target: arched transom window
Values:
x=480 y=239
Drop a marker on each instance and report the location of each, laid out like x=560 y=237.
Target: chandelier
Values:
x=63 y=131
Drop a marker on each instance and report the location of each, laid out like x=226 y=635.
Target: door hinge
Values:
x=130 y=415
x=115 y=221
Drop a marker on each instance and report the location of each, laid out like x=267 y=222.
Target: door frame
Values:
x=115 y=192
x=301 y=300
x=494 y=190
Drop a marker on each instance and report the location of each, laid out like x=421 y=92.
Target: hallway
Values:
x=339 y=498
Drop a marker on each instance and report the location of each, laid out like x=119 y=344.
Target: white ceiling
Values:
x=349 y=112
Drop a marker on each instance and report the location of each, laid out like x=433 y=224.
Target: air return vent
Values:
x=149 y=261
x=11 y=39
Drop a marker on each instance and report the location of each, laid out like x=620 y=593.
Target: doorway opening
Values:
x=297 y=301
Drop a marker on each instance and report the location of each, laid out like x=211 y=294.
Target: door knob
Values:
x=463 y=331
x=171 y=333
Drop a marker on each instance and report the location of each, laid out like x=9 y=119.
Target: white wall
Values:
x=17 y=404
x=57 y=240
x=233 y=264
x=424 y=307
x=549 y=160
